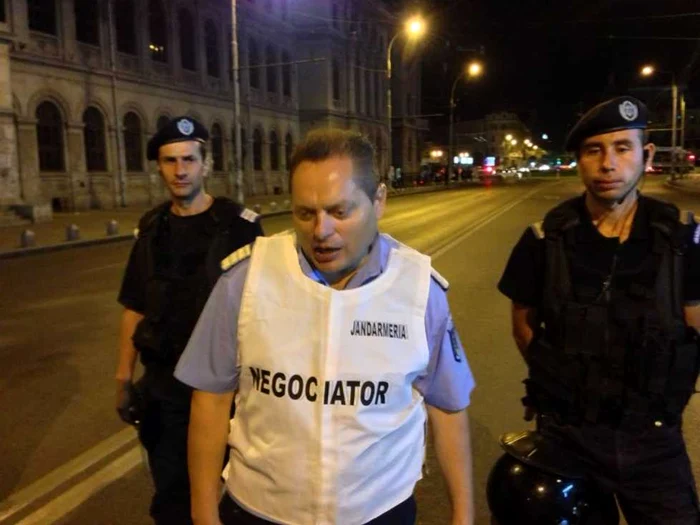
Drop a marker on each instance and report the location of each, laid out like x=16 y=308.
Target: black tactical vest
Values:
x=150 y=337
x=623 y=351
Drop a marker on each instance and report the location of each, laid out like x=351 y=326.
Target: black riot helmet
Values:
x=527 y=486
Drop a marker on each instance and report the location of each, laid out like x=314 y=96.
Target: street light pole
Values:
x=238 y=168
x=450 y=145
x=473 y=70
x=674 y=117
x=389 y=147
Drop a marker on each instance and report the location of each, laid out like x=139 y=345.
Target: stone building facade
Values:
x=85 y=83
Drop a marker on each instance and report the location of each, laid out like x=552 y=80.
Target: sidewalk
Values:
x=92 y=224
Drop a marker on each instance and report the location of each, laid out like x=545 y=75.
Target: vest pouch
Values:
x=551 y=374
x=585 y=329
x=683 y=374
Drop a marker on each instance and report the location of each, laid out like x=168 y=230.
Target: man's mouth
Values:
x=325 y=253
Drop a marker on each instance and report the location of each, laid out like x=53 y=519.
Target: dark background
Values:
x=549 y=60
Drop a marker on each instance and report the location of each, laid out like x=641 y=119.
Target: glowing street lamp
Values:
x=513 y=142
x=509 y=137
x=647 y=71
x=414 y=29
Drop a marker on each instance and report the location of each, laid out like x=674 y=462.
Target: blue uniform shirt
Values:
x=209 y=361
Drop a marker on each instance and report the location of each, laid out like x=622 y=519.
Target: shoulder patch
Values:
x=249 y=215
x=538 y=229
x=444 y=284
x=234 y=258
x=696 y=235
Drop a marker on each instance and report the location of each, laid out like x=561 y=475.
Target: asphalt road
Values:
x=66 y=458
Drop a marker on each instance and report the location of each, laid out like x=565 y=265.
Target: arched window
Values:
x=288 y=149
x=368 y=94
x=217 y=148
x=286 y=75
x=336 y=80
x=87 y=21
x=94 y=139
x=158 y=29
x=377 y=94
x=211 y=42
x=257 y=150
x=271 y=71
x=358 y=89
x=162 y=121
x=125 y=22
x=188 y=53
x=132 y=142
x=244 y=148
x=253 y=60
x=274 y=152
x=42 y=15
x=49 y=133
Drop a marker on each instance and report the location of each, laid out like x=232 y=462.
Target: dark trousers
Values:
x=643 y=463
x=231 y=513
x=163 y=433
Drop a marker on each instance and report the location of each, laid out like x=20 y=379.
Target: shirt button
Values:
x=658 y=424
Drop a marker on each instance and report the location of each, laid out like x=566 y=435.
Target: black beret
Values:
x=178 y=129
x=612 y=115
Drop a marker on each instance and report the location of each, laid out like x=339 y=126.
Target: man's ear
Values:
x=648 y=155
x=380 y=200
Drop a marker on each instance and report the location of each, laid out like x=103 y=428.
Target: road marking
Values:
x=54 y=479
x=80 y=493
x=480 y=224
x=105 y=267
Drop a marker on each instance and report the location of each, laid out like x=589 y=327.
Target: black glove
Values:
x=129 y=403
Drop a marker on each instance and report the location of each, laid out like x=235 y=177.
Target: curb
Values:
x=36 y=250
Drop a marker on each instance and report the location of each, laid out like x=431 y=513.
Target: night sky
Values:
x=548 y=60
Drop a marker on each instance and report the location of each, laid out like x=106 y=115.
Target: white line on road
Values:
x=480 y=224
x=80 y=493
x=54 y=479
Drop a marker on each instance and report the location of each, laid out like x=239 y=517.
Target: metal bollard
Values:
x=273 y=206
x=257 y=208
x=27 y=239
x=72 y=232
x=112 y=227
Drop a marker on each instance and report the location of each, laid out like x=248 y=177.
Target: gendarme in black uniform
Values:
x=613 y=364
x=172 y=267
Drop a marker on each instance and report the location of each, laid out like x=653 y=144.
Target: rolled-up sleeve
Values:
x=448 y=382
x=209 y=361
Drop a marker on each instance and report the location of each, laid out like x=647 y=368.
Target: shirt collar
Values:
x=373 y=267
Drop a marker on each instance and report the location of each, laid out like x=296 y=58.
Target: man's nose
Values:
x=609 y=161
x=324 y=226
x=180 y=168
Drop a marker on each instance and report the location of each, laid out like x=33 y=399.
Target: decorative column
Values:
x=10 y=187
x=77 y=170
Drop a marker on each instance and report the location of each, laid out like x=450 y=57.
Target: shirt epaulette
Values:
x=538 y=229
x=444 y=283
x=688 y=217
x=249 y=215
x=234 y=258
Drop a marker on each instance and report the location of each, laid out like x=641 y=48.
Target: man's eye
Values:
x=304 y=215
x=340 y=214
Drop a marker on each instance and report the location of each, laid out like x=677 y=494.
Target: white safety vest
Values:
x=328 y=427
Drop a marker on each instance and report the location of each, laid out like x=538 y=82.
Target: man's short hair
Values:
x=324 y=143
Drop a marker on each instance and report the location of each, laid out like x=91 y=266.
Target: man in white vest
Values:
x=337 y=343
